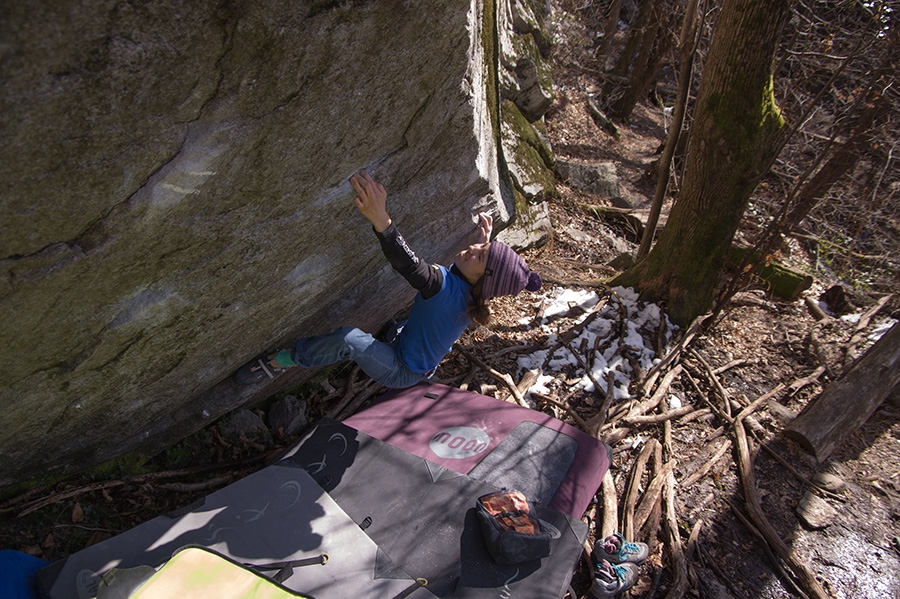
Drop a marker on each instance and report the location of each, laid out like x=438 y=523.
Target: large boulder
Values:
x=175 y=197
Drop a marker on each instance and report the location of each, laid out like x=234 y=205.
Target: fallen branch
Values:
x=730 y=365
x=603 y=415
x=850 y=400
x=578 y=419
x=836 y=247
x=587 y=371
x=800 y=383
x=139 y=479
x=820 y=352
x=652 y=494
x=661 y=390
x=650 y=526
x=658 y=418
x=348 y=395
x=715 y=381
x=772 y=558
x=199 y=486
x=528 y=380
x=633 y=489
x=503 y=377
x=692 y=540
x=610 y=506
x=806 y=577
x=799 y=475
x=704 y=470
x=680 y=585
x=370 y=388
x=695 y=415
x=814 y=309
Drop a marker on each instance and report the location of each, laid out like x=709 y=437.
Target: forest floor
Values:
x=756 y=344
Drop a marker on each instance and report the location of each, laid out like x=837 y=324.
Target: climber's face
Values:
x=472 y=261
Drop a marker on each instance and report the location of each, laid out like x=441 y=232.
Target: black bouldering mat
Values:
x=423 y=516
x=274 y=515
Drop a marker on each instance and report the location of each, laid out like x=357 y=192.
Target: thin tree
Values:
x=689 y=39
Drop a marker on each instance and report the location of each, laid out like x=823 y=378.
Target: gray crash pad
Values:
x=274 y=515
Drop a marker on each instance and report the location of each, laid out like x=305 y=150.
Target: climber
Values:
x=448 y=299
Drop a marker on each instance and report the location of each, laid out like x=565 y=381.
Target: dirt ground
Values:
x=753 y=347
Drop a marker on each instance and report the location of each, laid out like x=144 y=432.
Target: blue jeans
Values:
x=377 y=359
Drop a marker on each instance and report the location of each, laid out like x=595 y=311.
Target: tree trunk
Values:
x=655 y=44
x=635 y=35
x=849 y=401
x=735 y=125
x=612 y=24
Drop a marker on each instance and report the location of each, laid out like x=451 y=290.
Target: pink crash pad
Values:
x=501 y=443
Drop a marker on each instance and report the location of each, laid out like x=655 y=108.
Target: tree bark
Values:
x=735 y=125
x=849 y=401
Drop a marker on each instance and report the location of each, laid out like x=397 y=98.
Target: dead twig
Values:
x=670 y=358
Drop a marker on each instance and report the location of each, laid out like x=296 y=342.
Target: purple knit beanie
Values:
x=507 y=273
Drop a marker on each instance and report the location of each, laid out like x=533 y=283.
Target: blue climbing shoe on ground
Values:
x=263 y=368
x=617 y=550
x=612 y=579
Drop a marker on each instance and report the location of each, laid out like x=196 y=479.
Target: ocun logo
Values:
x=459 y=442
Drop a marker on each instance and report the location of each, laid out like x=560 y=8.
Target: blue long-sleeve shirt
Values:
x=440 y=313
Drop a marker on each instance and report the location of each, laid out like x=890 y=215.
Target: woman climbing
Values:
x=448 y=299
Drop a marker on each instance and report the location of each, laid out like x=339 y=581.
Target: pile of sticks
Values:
x=652 y=513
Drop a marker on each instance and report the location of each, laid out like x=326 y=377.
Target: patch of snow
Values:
x=881 y=329
x=604 y=353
